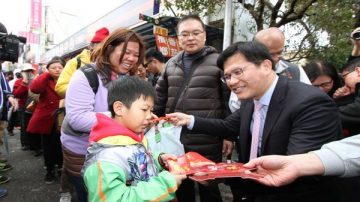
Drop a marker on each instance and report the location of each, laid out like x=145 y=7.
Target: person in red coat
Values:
x=42 y=122
x=20 y=91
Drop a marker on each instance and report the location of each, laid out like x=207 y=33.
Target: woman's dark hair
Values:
x=102 y=52
x=55 y=59
x=127 y=90
x=318 y=68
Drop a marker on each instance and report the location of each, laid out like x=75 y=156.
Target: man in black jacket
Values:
x=350 y=109
x=191 y=83
x=292 y=118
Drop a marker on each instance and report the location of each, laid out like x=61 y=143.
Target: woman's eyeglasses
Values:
x=324 y=84
x=147 y=64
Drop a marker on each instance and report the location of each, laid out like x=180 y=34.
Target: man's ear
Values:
x=267 y=64
x=119 y=108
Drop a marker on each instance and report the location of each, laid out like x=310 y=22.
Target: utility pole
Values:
x=227 y=24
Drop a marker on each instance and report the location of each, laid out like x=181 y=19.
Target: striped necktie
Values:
x=255 y=131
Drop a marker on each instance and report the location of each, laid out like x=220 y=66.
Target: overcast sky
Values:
x=69 y=15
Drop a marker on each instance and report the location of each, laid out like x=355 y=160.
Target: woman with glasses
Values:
x=324 y=76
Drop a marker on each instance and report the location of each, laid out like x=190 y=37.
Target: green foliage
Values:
x=196 y=6
x=311 y=17
x=335 y=18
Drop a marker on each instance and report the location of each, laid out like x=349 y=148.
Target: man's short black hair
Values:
x=253 y=51
x=127 y=90
x=351 y=65
x=153 y=53
x=190 y=17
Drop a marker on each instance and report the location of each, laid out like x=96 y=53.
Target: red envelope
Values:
x=199 y=168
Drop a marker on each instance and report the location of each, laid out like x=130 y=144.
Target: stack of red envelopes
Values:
x=199 y=168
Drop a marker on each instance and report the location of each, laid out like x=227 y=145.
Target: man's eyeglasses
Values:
x=347 y=73
x=147 y=64
x=188 y=34
x=325 y=84
x=236 y=74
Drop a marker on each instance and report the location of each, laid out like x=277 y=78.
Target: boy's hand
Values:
x=166 y=157
x=179 y=178
x=179 y=119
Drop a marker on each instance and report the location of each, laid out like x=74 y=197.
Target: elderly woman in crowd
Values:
x=42 y=122
x=119 y=55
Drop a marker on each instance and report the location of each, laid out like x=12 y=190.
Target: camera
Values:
x=356 y=35
x=9 y=46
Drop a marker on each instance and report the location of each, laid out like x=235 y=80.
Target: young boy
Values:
x=118 y=166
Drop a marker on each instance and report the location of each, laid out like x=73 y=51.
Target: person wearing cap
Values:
x=21 y=92
x=81 y=59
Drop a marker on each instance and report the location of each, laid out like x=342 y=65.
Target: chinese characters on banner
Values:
x=30 y=37
x=36 y=14
x=167 y=45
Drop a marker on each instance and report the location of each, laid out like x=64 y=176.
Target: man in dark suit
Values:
x=293 y=118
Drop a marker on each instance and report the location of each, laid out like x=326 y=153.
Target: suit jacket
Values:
x=300 y=118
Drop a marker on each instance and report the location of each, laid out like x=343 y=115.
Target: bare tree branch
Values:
x=275 y=11
x=291 y=9
x=300 y=49
x=260 y=19
x=289 y=17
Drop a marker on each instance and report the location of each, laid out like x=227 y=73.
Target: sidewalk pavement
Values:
x=27 y=176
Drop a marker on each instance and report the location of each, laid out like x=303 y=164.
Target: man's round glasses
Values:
x=236 y=74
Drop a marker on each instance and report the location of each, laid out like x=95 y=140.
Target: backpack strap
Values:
x=92 y=77
x=78 y=65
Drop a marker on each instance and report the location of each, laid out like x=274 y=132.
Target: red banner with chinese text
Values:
x=35 y=15
x=167 y=45
x=31 y=37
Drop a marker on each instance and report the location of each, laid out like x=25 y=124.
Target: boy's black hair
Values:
x=127 y=90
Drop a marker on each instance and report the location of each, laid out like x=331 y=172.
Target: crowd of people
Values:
x=284 y=121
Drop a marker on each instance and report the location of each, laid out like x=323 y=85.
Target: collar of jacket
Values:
x=177 y=59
